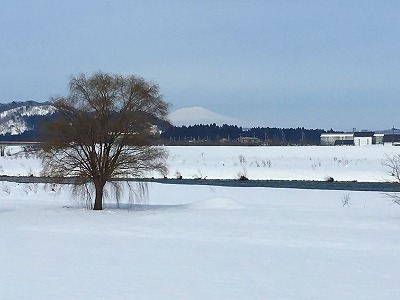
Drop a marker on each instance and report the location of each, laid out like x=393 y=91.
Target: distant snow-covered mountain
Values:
x=19 y=120
x=198 y=115
x=19 y=117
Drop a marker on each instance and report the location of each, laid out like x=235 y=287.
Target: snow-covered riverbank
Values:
x=206 y=242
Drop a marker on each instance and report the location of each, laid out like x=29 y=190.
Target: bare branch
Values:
x=392 y=164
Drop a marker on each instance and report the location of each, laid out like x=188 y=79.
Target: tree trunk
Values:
x=98 y=202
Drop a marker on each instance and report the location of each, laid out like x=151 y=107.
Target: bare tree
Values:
x=102 y=131
x=392 y=164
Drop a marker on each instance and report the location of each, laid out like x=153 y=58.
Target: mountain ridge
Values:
x=198 y=115
x=17 y=118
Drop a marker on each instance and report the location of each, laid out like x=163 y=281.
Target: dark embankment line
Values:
x=288 y=184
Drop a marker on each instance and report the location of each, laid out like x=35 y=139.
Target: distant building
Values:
x=363 y=138
x=331 y=139
x=378 y=138
x=392 y=138
x=224 y=141
x=249 y=141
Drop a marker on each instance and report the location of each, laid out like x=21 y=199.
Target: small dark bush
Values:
x=329 y=179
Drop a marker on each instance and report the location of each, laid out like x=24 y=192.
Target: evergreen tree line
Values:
x=230 y=134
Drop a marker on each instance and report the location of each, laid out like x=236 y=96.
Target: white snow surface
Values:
x=343 y=163
x=205 y=242
x=281 y=163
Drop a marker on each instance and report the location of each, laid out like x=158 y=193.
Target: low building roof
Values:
x=364 y=134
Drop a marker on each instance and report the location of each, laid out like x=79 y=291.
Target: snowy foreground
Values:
x=202 y=242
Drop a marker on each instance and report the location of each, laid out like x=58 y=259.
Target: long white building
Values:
x=363 y=138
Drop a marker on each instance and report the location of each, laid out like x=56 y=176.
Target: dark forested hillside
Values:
x=229 y=134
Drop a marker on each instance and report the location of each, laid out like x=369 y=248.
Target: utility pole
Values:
x=393 y=135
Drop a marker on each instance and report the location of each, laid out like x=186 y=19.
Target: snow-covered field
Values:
x=203 y=242
x=286 y=163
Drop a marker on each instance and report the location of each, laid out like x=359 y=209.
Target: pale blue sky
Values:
x=317 y=64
